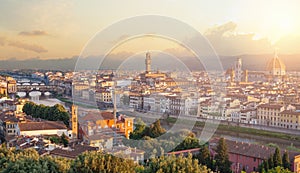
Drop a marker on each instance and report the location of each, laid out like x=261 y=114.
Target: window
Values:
x=254 y=159
x=128 y=123
x=254 y=168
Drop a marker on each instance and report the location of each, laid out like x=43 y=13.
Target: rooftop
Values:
x=42 y=125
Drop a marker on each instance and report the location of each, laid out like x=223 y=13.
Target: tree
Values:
x=189 y=142
x=54 y=113
x=204 y=157
x=44 y=164
x=28 y=160
x=271 y=162
x=64 y=140
x=139 y=131
x=63 y=164
x=170 y=164
x=277 y=158
x=125 y=99
x=265 y=165
x=279 y=169
x=222 y=159
x=100 y=162
x=156 y=130
x=286 y=161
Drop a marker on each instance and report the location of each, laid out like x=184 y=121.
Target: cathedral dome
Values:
x=276 y=67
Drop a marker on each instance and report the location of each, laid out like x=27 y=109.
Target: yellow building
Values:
x=103 y=95
x=269 y=114
x=97 y=121
x=290 y=119
x=100 y=140
x=11 y=86
x=297 y=164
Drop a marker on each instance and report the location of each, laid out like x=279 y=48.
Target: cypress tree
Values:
x=156 y=130
x=222 y=159
x=277 y=158
x=266 y=165
x=204 y=156
x=286 y=161
x=270 y=162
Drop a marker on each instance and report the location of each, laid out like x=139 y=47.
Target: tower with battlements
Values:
x=148 y=62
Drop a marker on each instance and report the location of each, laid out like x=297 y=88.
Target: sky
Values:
x=62 y=29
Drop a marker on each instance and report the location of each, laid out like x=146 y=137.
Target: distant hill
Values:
x=250 y=62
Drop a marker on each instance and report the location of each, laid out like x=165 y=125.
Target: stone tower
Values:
x=74 y=122
x=148 y=62
x=238 y=70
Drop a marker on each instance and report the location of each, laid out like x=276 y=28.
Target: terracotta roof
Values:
x=43 y=125
x=95 y=116
x=73 y=152
x=290 y=112
x=8 y=116
x=251 y=150
x=270 y=106
x=99 y=137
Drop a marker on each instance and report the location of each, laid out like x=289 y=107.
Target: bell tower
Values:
x=74 y=122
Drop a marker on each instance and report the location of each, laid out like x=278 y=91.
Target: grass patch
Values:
x=272 y=145
x=244 y=130
x=293 y=148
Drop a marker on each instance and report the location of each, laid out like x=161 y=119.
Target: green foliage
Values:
x=64 y=140
x=55 y=140
x=272 y=145
x=141 y=130
x=188 y=143
x=23 y=161
x=12 y=160
x=204 y=157
x=266 y=165
x=244 y=130
x=153 y=147
x=156 y=130
x=125 y=99
x=286 y=161
x=277 y=158
x=170 y=164
x=222 y=159
x=44 y=164
x=99 y=162
x=54 y=113
x=279 y=169
x=275 y=163
x=63 y=164
x=271 y=162
x=293 y=148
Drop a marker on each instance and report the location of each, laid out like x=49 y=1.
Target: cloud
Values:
x=2 y=41
x=288 y=44
x=219 y=31
x=33 y=33
x=121 y=38
x=29 y=47
x=226 y=41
